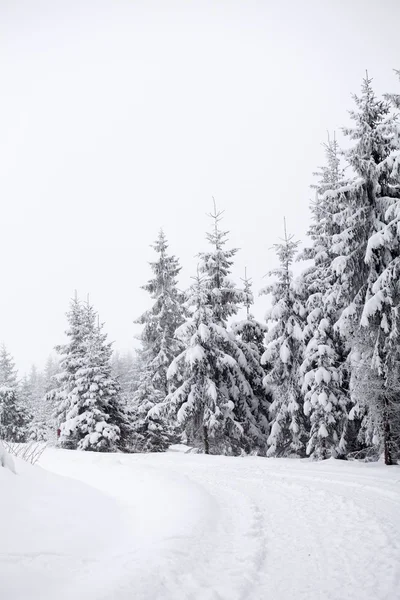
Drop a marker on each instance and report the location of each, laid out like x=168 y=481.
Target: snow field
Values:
x=51 y=529
x=176 y=526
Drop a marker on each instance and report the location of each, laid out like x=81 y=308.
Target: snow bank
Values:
x=179 y=526
x=51 y=528
x=164 y=514
x=182 y=448
x=6 y=460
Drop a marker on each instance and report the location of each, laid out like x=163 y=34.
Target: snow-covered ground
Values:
x=181 y=526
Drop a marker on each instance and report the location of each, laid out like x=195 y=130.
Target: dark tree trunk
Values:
x=387 y=434
x=205 y=439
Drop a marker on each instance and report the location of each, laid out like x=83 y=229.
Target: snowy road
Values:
x=180 y=527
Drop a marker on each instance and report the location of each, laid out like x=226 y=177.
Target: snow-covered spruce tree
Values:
x=96 y=419
x=33 y=394
x=65 y=393
x=324 y=367
x=380 y=315
x=195 y=401
x=325 y=403
x=14 y=415
x=250 y=335
x=159 y=348
x=14 y=419
x=368 y=250
x=8 y=372
x=48 y=427
x=90 y=414
x=284 y=355
x=223 y=297
x=212 y=396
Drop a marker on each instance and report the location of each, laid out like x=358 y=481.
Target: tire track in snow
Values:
x=344 y=531
x=262 y=529
x=321 y=540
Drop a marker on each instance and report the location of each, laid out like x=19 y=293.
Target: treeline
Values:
x=320 y=378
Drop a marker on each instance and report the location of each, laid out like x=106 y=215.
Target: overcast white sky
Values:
x=121 y=117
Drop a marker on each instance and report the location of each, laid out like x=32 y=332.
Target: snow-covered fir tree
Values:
x=47 y=429
x=8 y=371
x=14 y=415
x=64 y=394
x=326 y=223
x=90 y=415
x=250 y=335
x=159 y=348
x=33 y=393
x=223 y=296
x=325 y=403
x=212 y=396
x=96 y=417
x=367 y=249
x=195 y=401
x=284 y=354
x=324 y=366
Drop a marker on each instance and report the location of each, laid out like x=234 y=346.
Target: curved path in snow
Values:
x=193 y=527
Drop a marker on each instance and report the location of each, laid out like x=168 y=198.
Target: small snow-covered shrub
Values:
x=30 y=452
x=370 y=454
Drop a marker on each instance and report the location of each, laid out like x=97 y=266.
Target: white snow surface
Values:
x=6 y=460
x=183 y=526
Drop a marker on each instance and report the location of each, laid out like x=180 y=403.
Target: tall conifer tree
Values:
x=159 y=348
x=283 y=356
x=89 y=414
x=14 y=415
x=367 y=249
x=324 y=365
x=250 y=335
x=212 y=396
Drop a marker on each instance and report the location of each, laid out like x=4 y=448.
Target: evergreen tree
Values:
x=92 y=417
x=368 y=264
x=250 y=335
x=14 y=416
x=47 y=425
x=64 y=395
x=212 y=397
x=283 y=356
x=325 y=402
x=95 y=419
x=323 y=367
x=223 y=297
x=159 y=348
x=8 y=372
x=33 y=392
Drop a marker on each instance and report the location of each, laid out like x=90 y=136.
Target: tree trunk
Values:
x=387 y=434
x=205 y=439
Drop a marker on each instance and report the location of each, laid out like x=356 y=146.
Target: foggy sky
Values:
x=121 y=117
